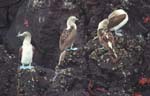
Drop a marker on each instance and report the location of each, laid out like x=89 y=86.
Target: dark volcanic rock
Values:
x=8 y=66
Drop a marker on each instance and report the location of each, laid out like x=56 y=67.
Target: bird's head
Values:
x=24 y=34
x=103 y=25
x=71 y=22
x=73 y=18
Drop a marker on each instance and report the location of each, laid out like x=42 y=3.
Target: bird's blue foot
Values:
x=22 y=67
x=71 y=49
x=119 y=33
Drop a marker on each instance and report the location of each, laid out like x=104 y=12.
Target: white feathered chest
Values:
x=27 y=54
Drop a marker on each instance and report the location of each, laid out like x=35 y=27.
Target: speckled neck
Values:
x=71 y=23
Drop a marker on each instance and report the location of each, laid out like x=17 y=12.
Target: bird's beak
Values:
x=19 y=34
x=77 y=19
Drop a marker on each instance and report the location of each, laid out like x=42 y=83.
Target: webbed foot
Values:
x=71 y=49
x=22 y=67
x=119 y=33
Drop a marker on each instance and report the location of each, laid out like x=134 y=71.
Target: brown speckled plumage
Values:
x=67 y=38
x=69 y=34
x=105 y=36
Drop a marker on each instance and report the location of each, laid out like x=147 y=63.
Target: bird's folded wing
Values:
x=33 y=48
x=64 y=38
x=116 y=20
x=20 y=52
x=113 y=14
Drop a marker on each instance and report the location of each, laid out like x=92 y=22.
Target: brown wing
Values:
x=114 y=13
x=116 y=20
x=63 y=38
x=34 y=52
x=20 y=52
x=33 y=48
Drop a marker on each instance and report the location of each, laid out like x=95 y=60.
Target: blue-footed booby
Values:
x=68 y=37
x=117 y=19
x=26 y=51
x=106 y=38
x=69 y=34
x=66 y=40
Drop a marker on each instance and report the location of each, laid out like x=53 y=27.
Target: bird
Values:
x=68 y=36
x=105 y=37
x=117 y=19
x=26 y=51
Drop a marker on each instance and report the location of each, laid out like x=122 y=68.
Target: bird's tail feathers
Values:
x=110 y=45
x=113 y=50
x=62 y=56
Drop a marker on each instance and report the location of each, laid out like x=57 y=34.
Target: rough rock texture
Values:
x=8 y=73
x=86 y=72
